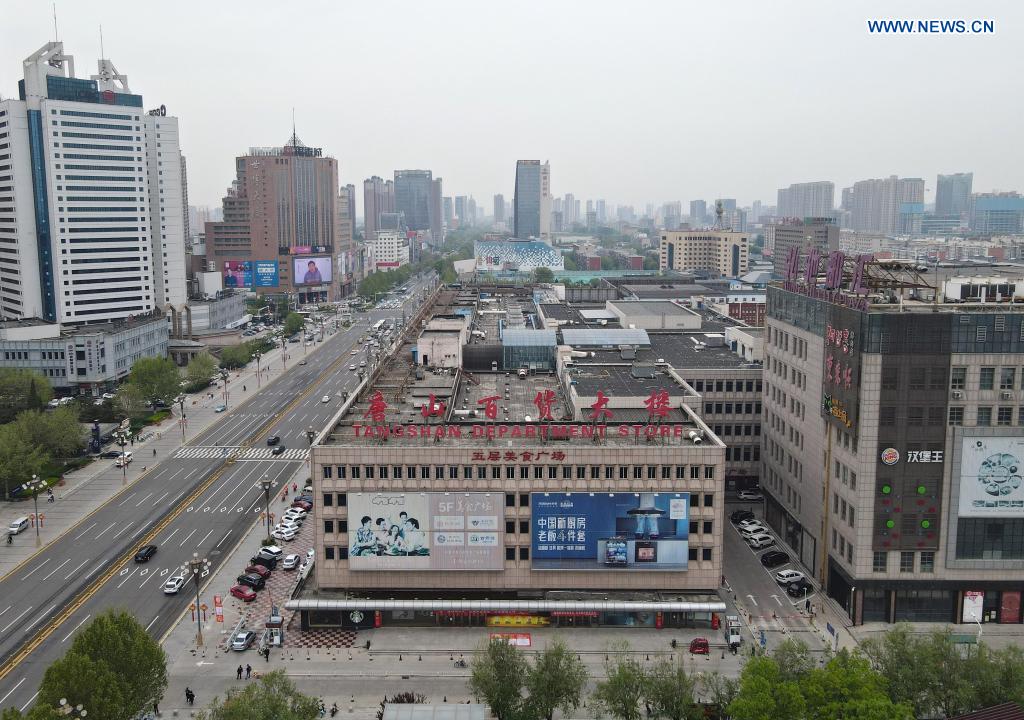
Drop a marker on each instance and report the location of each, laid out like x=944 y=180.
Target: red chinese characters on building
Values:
x=490 y=406
x=834 y=271
x=544 y=400
x=793 y=264
x=657 y=404
x=599 y=410
x=378 y=408
x=520 y=456
x=433 y=407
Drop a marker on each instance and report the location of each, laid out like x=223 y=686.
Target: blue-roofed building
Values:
x=516 y=256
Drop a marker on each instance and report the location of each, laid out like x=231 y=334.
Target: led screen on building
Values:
x=425 y=531
x=991 y=477
x=265 y=273
x=596 y=531
x=237 y=274
x=312 y=270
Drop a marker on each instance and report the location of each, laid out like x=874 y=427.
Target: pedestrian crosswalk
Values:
x=240 y=454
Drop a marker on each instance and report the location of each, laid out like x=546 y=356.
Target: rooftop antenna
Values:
x=56 y=35
x=295 y=132
x=103 y=55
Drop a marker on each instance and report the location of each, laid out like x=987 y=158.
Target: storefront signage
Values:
x=623 y=531
x=974 y=605
x=833 y=290
x=835 y=408
x=890 y=456
x=517 y=639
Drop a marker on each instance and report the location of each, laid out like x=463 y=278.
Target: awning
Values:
x=508 y=606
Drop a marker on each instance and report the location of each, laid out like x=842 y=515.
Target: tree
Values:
x=765 y=695
x=199 y=371
x=847 y=687
x=19 y=458
x=57 y=432
x=556 y=679
x=130 y=400
x=82 y=679
x=22 y=389
x=272 y=697
x=793 y=658
x=621 y=692
x=497 y=678
x=235 y=356
x=402 y=698
x=543 y=275
x=112 y=660
x=669 y=690
x=721 y=691
x=157 y=378
x=293 y=323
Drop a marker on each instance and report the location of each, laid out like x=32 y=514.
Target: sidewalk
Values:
x=88 y=488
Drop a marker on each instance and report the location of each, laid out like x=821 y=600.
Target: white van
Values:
x=18 y=526
x=123 y=459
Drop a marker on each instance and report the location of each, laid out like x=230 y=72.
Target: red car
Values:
x=699 y=646
x=303 y=504
x=263 y=572
x=243 y=593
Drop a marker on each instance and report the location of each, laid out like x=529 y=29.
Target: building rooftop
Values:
x=647 y=307
x=680 y=350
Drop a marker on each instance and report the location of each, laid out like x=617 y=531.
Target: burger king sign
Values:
x=890 y=456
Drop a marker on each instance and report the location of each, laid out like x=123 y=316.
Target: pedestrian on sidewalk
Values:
x=248 y=671
x=239 y=672
x=156 y=709
x=266 y=654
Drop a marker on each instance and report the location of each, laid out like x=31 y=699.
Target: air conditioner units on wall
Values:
x=1006 y=395
x=958 y=395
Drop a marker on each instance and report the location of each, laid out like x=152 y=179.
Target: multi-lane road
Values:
x=203 y=500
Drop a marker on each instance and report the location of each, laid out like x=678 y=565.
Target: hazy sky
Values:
x=630 y=101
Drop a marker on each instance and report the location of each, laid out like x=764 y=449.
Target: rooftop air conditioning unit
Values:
x=1006 y=395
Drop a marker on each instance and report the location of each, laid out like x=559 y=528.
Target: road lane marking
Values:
x=11 y=691
x=149 y=577
x=79 y=537
x=123 y=530
x=215 y=548
x=10 y=606
x=75 y=629
x=144 y=500
x=157 y=501
x=47 y=577
x=37 y=569
x=41 y=616
x=752 y=600
x=187 y=537
x=777 y=600
x=168 y=538
x=105 y=530
x=23 y=613
x=30 y=701
x=68 y=576
x=126 y=499
x=200 y=543
x=129 y=577
x=151 y=623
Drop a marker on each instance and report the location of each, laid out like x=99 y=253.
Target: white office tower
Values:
x=96 y=194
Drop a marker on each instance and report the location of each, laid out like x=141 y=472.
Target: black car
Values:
x=253 y=581
x=278 y=449
x=799 y=589
x=273 y=440
x=268 y=563
x=741 y=515
x=144 y=554
x=110 y=454
x=774 y=559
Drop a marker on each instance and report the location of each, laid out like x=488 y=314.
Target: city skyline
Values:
x=707 y=155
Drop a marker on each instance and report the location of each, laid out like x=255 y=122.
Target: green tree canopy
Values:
x=130 y=400
x=543 y=275
x=669 y=689
x=272 y=697
x=80 y=679
x=22 y=389
x=235 y=356
x=497 y=678
x=764 y=694
x=199 y=371
x=556 y=680
x=157 y=378
x=293 y=323
x=622 y=691
x=57 y=431
x=19 y=458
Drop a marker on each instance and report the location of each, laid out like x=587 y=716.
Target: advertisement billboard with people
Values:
x=597 y=531
x=312 y=270
x=425 y=531
x=237 y=274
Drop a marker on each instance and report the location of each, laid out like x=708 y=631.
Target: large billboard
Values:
x=991 y=476
x=426 y=531
x=237 y=273
x=597 y=531
x=312 y=270
x=265 y=273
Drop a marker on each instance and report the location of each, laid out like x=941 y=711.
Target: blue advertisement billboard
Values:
x=265 y=273
x=598 y=531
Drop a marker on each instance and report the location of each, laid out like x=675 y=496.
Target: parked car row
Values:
x=757 y=536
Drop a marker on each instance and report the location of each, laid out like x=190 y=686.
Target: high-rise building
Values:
x=569 y=209
x=499 y=208
x=672 y=215
x=378 y=197
x=821 y=234
x=111 y=244
x=953 y=194
x=602 y=211
x=722 y=252
x=847 y=203
x=532 y=199
x=888 y=205
x=279 y=233
x=471 y=210
x=809 y=199
x=698 y=213
x=448 y=210
x=413 y=191
x=462 y=210
x=350 y=270
x=997 y=213
x=892 y=438
x=436 y=213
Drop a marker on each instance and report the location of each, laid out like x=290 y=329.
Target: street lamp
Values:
x=181 y=420
x=197 y=567
x=67 y=709
x=267 y=483
x=35 y=487
x=225 y=375
x=257 y=355
x=122 y=437
x=284 y=352
x=310 y=434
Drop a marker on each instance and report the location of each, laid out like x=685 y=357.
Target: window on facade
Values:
x=1004 y=416
x=328 y=499
x=1007 y=378
x=927 y=561
x=890 y=377
x=956 y=416
x=878 y=562
x=328 y=553
x=906 y=562
x=709 y=500
x=328 y=526
x=987 y=378
x=887 y=416
x=917 y=378
x=510 y=527
x=984 y=416
x=510 y=553
x=958 y=378
x=915 y=416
